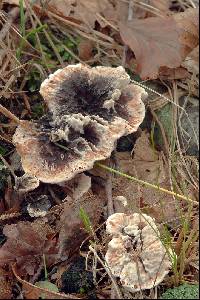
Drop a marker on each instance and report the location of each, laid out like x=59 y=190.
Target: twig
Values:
x=119 y=295
x=4 y=217
x=9 y=115
x=8 y=84
x=56 y=199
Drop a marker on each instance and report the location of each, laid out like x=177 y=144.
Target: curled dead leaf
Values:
x=35 y=292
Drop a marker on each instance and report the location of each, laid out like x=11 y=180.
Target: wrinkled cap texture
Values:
x=89 y=109
x=136 y=254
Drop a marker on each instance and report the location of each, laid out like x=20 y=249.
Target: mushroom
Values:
x=136 y=254
x=26 y=183
x=39 y=207
x=89 y=109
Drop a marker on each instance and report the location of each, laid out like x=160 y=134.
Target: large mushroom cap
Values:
x=90 y=109
x=136 y=254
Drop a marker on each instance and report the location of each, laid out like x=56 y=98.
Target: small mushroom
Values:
x=89 y=109
x=26 y=183
x=136 y=254
x=39 y=207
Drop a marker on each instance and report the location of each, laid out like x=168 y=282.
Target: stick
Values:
x=9 y=115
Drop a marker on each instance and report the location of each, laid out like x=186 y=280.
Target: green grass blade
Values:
x=86 y=220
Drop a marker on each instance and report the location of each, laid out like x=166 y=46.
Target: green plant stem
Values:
x=156 y=187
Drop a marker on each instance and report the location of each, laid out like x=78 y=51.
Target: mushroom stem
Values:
x=10 y=115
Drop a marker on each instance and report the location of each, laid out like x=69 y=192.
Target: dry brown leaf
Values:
x=140 y=10
x=161 y=5
x=26 y=242
x=77 y=186
x=85 y=11
x=88 y=10
x=34 y=292
x=85 y=48
x=191 y=63
x=161 y=42
x=176 y=73
x=63 y=7
x=72 y=232
x=148 y=166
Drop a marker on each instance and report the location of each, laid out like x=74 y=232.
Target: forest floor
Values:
x=53 y=243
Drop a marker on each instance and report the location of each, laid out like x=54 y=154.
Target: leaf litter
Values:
x=148 y=165
x=152 y=39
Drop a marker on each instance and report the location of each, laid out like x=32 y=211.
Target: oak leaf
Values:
x=26 y=243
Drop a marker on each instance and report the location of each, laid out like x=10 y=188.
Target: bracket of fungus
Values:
x=89 y=109
x=136 y=254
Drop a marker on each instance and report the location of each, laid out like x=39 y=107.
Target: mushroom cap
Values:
x=120 y=223
x=90 y=108
x=136 y=253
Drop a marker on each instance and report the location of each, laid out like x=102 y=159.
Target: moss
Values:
x=184 y=291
